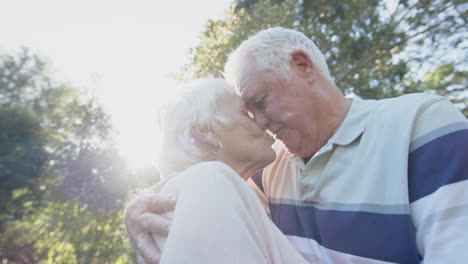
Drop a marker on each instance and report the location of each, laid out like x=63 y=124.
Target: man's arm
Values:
x=438 y=183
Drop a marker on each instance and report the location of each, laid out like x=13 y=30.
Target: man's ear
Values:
x=302 y=63
x=202 y=135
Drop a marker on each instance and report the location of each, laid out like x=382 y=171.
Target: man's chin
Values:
x=289 y=147
x=296 y=150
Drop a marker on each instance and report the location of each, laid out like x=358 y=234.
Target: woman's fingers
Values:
x=153 y=223
x=158 y=204
x=147 y=250
x=140 y=259
x=143 y=214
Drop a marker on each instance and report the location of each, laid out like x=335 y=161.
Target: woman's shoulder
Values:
x=208 y=171
x=209 y=166
x=200 y=172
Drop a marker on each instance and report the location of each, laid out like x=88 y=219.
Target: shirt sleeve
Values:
x=438 y=183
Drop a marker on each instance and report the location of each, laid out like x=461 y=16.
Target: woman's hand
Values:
x=143 y=217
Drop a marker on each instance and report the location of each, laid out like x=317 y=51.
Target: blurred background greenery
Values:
x=63 y=182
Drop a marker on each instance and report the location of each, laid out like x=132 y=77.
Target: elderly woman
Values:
x=211 y=146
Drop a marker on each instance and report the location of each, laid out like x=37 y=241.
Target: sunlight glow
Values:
x=124 y=52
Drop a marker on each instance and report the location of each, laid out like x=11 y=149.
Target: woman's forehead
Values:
x=230 y=101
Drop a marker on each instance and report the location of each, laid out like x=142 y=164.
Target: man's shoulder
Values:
x=417 y=114
x=420 y=105
x=415 y=100
x=409 y=107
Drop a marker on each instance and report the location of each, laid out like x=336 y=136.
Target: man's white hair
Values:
x=198 y=106
x=271 y=49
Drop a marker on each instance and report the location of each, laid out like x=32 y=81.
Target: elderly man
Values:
x=355 y=181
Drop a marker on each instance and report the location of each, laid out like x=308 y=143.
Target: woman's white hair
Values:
x=271 y=49
x=198 y=106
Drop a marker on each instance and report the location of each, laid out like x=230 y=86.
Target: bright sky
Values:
x=125 y=51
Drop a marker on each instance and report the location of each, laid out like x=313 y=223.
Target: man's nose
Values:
x=261 y=120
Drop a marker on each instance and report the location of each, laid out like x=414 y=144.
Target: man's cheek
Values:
x=287 y=116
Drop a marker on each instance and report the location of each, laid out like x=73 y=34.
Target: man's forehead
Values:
x=245 y=91
x=250 y=88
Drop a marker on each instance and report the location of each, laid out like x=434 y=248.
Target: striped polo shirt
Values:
x=391 y=186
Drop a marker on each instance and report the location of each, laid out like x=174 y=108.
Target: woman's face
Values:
x=243 y=143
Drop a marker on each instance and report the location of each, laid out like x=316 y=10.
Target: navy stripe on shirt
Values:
x=439 y=162
x=257 y=178
x=386 y=237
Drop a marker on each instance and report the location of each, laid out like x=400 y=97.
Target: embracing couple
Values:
x=342 y=180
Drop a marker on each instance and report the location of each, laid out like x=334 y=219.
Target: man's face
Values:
x=284 y=109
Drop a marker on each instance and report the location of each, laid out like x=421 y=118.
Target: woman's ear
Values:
x=205 y=136
x=302 y=63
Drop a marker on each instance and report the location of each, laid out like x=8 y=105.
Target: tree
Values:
x=22 y=154
x=62 y=231
x=23 y=141
x=64 y=182
x=373 y=49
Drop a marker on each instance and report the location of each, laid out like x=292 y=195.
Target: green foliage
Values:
x=22 y=78
x=23 y=141
x=61 y=231
x=22 y=154
x=371 y=50
x=63 y=181
x=222 y=36
x=447 y=81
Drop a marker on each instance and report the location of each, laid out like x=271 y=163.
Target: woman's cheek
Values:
x=255 y=130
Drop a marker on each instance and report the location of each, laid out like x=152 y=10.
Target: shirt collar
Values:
x=354 y=123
